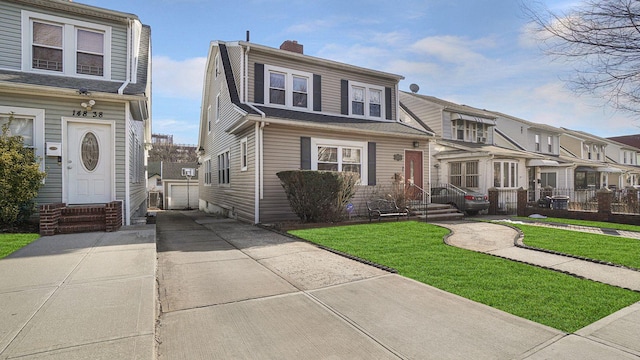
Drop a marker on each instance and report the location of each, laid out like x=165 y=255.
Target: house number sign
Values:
x=85 y=113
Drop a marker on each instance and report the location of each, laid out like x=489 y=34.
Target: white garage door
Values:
x=177 y=196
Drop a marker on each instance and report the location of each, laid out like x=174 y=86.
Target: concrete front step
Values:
x=441 y=217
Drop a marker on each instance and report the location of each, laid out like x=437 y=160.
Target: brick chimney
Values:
x=293 y=46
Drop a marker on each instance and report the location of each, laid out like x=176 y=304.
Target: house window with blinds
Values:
x=464 y=174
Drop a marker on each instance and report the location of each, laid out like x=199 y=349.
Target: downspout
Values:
x=256 y=181
x=129 y=58
x=245 y=78
x=127 y=164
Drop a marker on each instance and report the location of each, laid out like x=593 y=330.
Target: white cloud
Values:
x=178 y=78
x=453 y=49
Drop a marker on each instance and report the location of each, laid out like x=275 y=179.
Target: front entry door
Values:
x=413 y=174
x=89 y=163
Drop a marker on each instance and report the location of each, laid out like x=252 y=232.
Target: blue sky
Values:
x=473 y=52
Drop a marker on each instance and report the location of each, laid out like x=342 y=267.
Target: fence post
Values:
x=632 y=199
x=493 y=201
x=522 y=202
x=605 y=197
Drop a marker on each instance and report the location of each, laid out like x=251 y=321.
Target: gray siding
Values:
x=55 y=109
x=137 y=186
x=282 y=152
x=330 y=79
x=11 y=38
x=429 y=113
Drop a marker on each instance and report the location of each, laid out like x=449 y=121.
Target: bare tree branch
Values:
x=601 y=38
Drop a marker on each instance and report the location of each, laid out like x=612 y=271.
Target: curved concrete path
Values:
x=619 y=330
x=500 y=240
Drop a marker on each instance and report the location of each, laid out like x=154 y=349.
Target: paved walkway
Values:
x=229 y=290
x=81 y=296
x=620 y=330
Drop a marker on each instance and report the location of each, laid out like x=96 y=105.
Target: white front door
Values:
x=89 y=157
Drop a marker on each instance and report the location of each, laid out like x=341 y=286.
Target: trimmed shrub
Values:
x=318 y=196
x=20 y=178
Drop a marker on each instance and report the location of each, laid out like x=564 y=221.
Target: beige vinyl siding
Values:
x=237 y=197
x=573 y=145
x=282 y=152
x=10 y=37
x=55 y=109
x=331 y=77
x=429 y=113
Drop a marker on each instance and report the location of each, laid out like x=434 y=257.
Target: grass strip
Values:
x=12 y=242
x=418 y=252
x=598 y=224
x=613 y=249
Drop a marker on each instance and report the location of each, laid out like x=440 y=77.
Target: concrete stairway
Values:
x=435 y=212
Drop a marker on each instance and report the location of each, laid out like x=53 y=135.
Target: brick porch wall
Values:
x=49 y=217
x=113 y=212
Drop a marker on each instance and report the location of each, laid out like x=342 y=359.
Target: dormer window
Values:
x=288 y=88
x=63 y=46
x=366 y=100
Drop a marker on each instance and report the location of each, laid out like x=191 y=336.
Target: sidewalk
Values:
x=80 y=296
x=231 y=290
x=620 y=330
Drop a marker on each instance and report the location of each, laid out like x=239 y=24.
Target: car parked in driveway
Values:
x=465 y=200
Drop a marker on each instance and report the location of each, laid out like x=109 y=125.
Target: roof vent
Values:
x=293 y=46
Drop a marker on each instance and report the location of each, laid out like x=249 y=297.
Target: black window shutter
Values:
x=305 y=153
x=344 y=97
x=387 y=103
x=258 y=84
x=317 y=93
x=371 y=163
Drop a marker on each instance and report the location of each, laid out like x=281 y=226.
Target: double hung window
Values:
x=207 y=172
x=65 y=46
x=366 y=100
x=223 y=168
x=338 y=155
x=464 y=174
x=288 y=88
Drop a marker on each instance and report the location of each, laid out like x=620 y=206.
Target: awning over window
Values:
x=586 y=169
x=457 y=116
x=542 y=162
x=609 y=169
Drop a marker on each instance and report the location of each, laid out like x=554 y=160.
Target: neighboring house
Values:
x=179 y=185
x=600 y=162
x=154 y=184
x=266 y=110
x=77 y=80
x=552 y=170
x=631 y=140
x=464 y=153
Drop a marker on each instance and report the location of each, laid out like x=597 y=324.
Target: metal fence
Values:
x=507 y=201
x=622 y=201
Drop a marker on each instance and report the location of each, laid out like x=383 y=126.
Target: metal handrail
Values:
x=424 y=192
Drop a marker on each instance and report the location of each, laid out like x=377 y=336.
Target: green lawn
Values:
x=12 y=242
x=417 y=251
x=598 y=224
x=617 y=250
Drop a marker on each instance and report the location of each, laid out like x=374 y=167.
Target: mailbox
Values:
x=53 y=148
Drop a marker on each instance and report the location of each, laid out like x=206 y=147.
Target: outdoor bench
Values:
x=382 y=208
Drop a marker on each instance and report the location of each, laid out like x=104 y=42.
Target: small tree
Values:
x=20 y=178
x=318 y=196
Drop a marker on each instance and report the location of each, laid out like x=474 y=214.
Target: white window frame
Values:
x=508 y=168
x=224 y=165
x=537 y=142
x=207 y=171
x=472 y=131
x=69 y=44
x=288 y=87
x=38 y=127
x=549 y=144
x=362 y=145
x=244 y=156
x=367 y=100
x=217 y=65
x=464 y=175
x=218 y=108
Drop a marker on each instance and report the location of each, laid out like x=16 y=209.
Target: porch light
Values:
x=416 y=144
